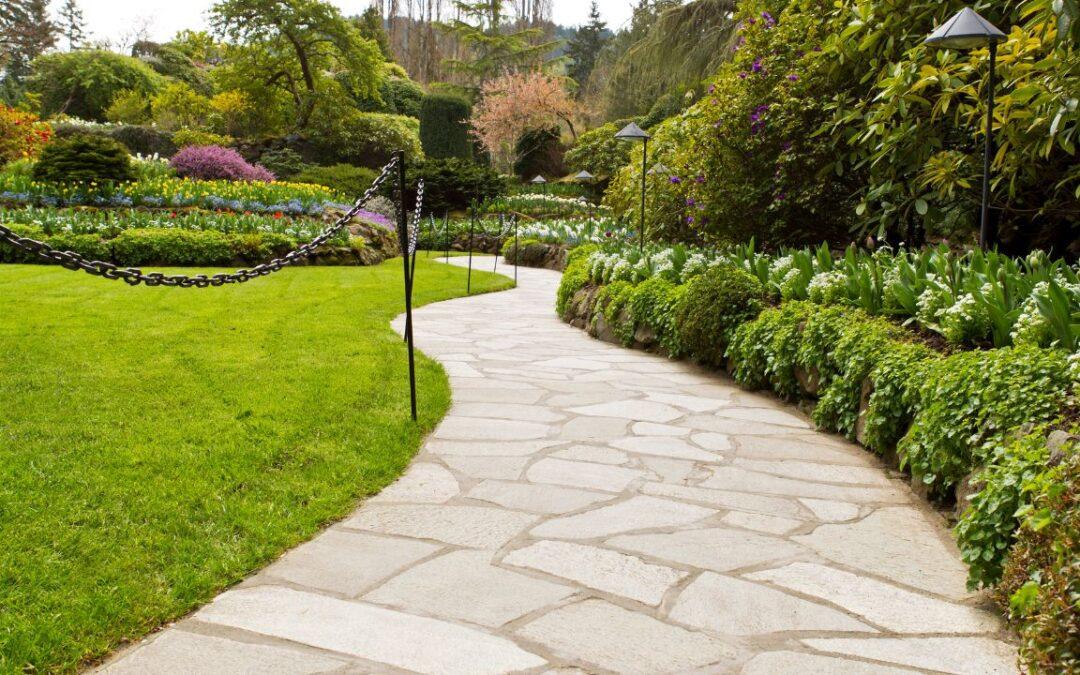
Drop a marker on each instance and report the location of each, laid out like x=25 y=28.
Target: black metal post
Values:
x=644 y=158
x=498 y=241
x=472 y=227
x=986 y=236
x=517 y=250
x=446 y=233
x=434 y=233
x=403 y=238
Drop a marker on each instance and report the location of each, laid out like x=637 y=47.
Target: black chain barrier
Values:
x=134 y=276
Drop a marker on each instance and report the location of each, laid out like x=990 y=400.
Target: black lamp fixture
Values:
x=583 y=176
x=967 y=30
x=539 y=180
x=632 y=132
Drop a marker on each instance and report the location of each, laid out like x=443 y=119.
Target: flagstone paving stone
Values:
x=585 y=507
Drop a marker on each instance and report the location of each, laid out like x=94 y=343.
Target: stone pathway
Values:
x=589 y=508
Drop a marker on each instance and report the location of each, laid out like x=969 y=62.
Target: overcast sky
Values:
x=114 y=19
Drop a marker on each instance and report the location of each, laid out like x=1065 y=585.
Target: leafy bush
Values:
x=172 y=247
x=84 y=82
x=599 y=152
x=144 y=140
x=366 y=139
x=765 y=350
x=84 y=159
x=177 y=106
x=451 y=184
x=444 y=126
x=129 y=107
x=213 y=162
x=401 y=96
x=575 y=276
x=188 y=137
x=610 y=303
x=346 y=179
x=970 y=401
x=539 y=152
x=283 y=162
x=1041 y=582
x=22 y=135
x=714 y=305
x=654 y=303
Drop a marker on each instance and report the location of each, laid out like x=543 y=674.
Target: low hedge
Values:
x=173 y=247
x=965 y=421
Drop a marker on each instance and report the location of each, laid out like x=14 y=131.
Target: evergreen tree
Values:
x=71 y=24
x=370 y=24
x=492 y=49
x=26 y=32
x=585 y=46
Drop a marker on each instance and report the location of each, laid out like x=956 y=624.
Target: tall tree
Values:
x=585 y=46
x=300 y=47
x=72 y=25
x=490 y=47
x=370 y=25
x=514 y=104
x=26 y=32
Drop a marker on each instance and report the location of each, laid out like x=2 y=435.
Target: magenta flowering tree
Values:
x=213 y=162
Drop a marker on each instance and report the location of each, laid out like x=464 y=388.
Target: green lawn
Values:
x=157 y=445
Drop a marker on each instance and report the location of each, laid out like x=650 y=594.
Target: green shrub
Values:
x=365 y=138
x=401 y=96
x=714 y=305
x=654 y=303
x=610 y=302
x=988 y=526
x=129 y=107
x=895 y=398
x=80 y=159
x=173 y=247
x=575 y=276
x=539 y=152
x=188 y=137
x=144 y=140
x=1041 y=583
x=970 y=401
x=452 y=184
x=444 y=126
x=283 y=163
x=765 y=350
x=84 y=82
x=599 y=152
x=349 y=180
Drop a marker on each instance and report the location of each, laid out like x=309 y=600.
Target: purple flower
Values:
x=786 y=146
x=690 y=219
x=712 y=88
x=793 y=77
x=817 y=48
x=769 y=20
x=213 y=162
x=690 y=201
x=757 y=67
x=675 y=180
x=743 y=74
x=700 y=179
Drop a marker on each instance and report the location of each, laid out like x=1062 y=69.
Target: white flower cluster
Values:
x=828 y=288
x=965 y=319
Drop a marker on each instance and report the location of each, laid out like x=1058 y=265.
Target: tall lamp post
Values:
x=585 y=178
x=967 y=30
x=539 y=180
x=633 y=132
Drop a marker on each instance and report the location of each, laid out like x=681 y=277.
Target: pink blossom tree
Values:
x=515 y=103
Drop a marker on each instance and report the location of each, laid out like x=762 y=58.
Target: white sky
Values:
x=114 y=19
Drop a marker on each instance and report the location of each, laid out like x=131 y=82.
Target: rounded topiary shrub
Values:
x=83 y=159
x=213 y=162
x=715 y=303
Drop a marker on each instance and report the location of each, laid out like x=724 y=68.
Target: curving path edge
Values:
x=585 y=508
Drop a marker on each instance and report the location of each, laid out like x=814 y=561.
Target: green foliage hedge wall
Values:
x=444 y=126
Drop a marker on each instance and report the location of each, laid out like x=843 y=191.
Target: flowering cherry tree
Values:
x=515 y=103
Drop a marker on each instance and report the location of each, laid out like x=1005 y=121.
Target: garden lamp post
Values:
x=967 y=30
x=539 y=180
x=585 y=178
x=633 y=132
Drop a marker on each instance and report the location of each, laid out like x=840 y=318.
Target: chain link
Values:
x=414 y=227
x=134 y=276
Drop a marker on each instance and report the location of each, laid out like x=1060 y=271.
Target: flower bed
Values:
x=976 y=425
x=545 y=206
x=294 y=199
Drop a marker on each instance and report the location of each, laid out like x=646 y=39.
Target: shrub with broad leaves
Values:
x=22 y=135
x=213 y=162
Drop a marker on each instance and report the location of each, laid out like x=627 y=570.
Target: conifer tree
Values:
x=72 y=24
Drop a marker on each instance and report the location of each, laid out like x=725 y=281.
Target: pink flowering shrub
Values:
x=213 y=162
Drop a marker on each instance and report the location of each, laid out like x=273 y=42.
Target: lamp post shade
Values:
x=965 y=30
x=583 y=176
x=632 y=132
x=539 y=180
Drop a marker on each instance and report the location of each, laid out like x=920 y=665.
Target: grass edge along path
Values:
x=159 y=445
